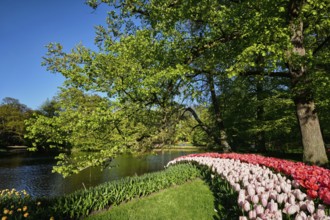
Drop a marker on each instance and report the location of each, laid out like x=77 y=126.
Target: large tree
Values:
x=291 y=36
x=157 y=59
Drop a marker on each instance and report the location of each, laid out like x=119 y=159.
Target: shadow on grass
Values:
x=225 y=198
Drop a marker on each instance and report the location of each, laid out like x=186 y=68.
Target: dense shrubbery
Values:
x=83 y=202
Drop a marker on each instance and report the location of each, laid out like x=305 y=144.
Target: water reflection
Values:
x=33 y=172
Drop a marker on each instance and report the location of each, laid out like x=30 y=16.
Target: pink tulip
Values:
x=299 y=195
x=278 y=188
x=285 y=187
x=255 y=199
x=303 y=215
x=250 y=190
x=291 y=209
x=252 y=214
x=264 y=195
x=273 y=195
x=246 y=206
x=320 y=213
x=295 y=184
x=241 y=197
x=320 y=206
x=264 y=202
x=280 y=198
x=270 y=186
x=278 y=215
x=298 y=217
x=260 y=189
x=292 y=199
x=272 y=206
x=310 y=207
x=237 y=187
x=246 y=183
x=259 y=210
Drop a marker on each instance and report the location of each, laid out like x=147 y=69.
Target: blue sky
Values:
x=26 y=26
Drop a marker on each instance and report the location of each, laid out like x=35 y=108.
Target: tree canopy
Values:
x=251 y=65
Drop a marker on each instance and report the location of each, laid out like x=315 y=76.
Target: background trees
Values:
x=12 y=116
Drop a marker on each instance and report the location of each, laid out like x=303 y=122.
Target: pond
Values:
x=33 y=172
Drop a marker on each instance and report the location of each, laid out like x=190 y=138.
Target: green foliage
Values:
x=18 y=205
x=260 y=106
x=225 y=196
x=91 y=123
x=49 y=108
x=83 y=202
x=192 y=200
x=224 y=203
x=322 y=94
x=12 y=116
x=158 y=58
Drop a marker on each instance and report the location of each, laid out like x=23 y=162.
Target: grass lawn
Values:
x=192 y=200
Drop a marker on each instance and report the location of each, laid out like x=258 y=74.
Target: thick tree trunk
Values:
x=218 y=118
x=314 y=149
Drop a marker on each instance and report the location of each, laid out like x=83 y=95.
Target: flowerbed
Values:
x=19 y=205
x=264 y=194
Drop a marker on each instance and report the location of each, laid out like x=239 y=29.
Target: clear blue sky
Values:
x=26 y=26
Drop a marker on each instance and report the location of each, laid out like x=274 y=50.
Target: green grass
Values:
x=192 y=200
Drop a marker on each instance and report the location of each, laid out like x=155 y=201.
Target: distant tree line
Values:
x=12 y=127
x=13 y=115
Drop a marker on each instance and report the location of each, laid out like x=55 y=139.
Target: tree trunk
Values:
x=314 y=149
x=312 y=140
x=261 y=141
x=217 y=113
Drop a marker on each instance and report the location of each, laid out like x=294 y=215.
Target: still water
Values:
x=33 y=172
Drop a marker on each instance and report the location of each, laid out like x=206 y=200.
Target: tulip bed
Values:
x=271 y=188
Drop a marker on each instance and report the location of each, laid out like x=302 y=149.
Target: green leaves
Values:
x=156 y=58
x=12 y=127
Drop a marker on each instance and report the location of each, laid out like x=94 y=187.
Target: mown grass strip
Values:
x=192 y=200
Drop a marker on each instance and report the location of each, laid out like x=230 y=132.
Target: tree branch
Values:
x=200 y=123
x=321 y=45
x=271 y=74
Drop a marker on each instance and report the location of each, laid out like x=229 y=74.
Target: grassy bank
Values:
x=83 y=202
x=192 y=200
x=182 y=191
